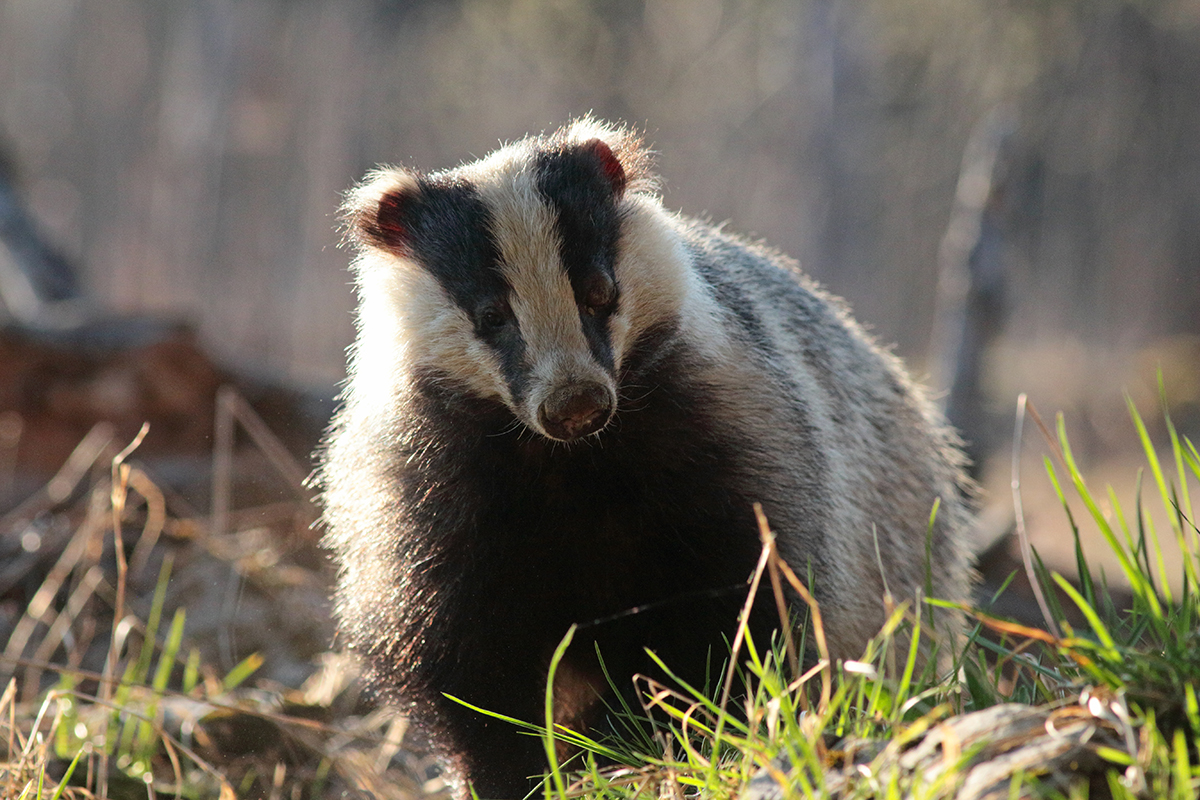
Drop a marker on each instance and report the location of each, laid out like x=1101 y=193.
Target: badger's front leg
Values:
x=493 y=757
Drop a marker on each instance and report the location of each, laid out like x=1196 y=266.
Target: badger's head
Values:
x=524 y=277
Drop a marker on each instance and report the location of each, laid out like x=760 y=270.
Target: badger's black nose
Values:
x=576 y=410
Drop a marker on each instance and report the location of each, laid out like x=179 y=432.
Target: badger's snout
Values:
x=576 y=410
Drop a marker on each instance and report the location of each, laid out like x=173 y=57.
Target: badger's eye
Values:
x=492 y=317
x=600 y=296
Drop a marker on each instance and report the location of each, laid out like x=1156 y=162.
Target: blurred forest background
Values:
x=187 y=158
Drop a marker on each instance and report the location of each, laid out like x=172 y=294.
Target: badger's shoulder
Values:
x=770 y=306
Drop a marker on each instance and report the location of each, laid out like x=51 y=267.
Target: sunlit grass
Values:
x=1107 y=707
x=1110 y=706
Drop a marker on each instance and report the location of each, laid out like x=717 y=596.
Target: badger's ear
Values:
x=617 y=150
x=610 y=165
x=378 y=212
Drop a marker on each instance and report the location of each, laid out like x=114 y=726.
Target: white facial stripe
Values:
x=543 y=301
x=412 y=318
x=406 y=314
x=656 y=284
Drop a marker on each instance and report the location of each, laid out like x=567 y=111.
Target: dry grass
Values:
x=126 y=614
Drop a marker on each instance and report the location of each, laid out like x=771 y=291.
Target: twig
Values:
x=62 y=623
x=232 y=408
x=118 y=492
x=156 y=518
x=1019 y=512
x=37 y=607
x=1051 y=442
x=781 y=603
x=744 y=620
x=818 y=624
x=9 y=700
x=60 y=487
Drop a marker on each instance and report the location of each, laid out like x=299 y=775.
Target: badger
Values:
x=563 y=403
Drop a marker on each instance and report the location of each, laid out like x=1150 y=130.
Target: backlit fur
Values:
x=468 y=538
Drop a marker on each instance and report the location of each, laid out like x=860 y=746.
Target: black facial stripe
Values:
x=449 y=225
x=511 y=351
x=573 y=183
x=451 y=237
x=595 y=331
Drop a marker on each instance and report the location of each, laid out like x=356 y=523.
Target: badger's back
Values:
x=563 y=403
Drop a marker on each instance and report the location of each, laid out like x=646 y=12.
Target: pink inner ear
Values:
x=386 y=226
x=610 y=164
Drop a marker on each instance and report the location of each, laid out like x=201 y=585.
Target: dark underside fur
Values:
x=515 y=538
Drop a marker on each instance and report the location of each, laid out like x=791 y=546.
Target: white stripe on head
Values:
x=658 y=283
x=406 y=319
x=524 y=228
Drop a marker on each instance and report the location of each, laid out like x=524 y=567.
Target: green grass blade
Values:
x=1098 y=627
x=1151 y=456
x=170 y=652
x=1176 y=450
x=41 y=781
x=1042 y=574
x=1192 y=707
x=700 y=697
x=1146 y=533
x=1003 y=587
x=65 y=739
x=1139 y=547
x=1133 y=575
x=937 y=504
x=528 y=727
x=980 y=689
x=1192 y=456
x=633 y=725
x=248 y=666
x=1147 y=538
x=1181 y=765
x=904 y=689
x=1147 y=446
x=1081 y=564
x=146 y=653
x=146 y=740
x=66 y=778
x=548 y=735
x=191 y=671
